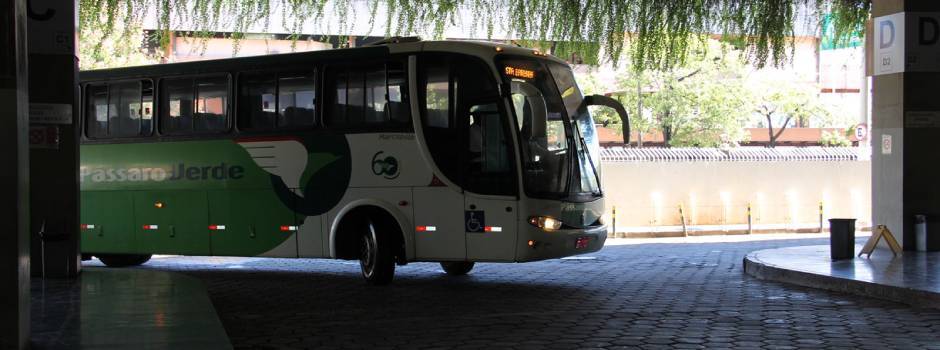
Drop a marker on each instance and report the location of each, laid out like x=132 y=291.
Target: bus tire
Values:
x=123 y=260
x=457 y=268
x=377 y=253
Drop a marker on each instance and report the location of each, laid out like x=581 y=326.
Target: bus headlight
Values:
x=546 y=223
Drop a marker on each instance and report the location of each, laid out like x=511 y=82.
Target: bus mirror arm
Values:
x=601 y=100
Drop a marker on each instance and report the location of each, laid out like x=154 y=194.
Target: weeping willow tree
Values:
x=656 y=34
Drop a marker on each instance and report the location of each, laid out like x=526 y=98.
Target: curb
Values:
x=920 y=298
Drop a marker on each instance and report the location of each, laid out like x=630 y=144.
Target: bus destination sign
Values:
x=519 y=73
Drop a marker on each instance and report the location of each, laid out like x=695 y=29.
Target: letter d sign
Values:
x=887 y=34
x=927 y=29
x=889 y=47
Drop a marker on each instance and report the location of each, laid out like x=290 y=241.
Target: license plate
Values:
x=582 y=242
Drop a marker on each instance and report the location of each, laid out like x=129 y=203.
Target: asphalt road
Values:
x=650 y=296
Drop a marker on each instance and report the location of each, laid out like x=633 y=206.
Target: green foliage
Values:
x=661 y=32
x=782 y=102
x=700 y=103
x=834 y=139
x=98 y=51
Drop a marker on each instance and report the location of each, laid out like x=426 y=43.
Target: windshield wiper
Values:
x=587 y=154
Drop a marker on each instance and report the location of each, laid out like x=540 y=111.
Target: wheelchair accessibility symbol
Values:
x=475 y=220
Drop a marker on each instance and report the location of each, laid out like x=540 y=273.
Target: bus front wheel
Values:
x=376 y=256
x=123 y=260
x=457 y=268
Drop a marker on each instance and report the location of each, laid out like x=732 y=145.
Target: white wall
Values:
x=718 y=193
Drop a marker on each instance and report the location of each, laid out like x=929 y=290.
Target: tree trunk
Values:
x=770 y=128
x=772 y=142
x=667 y=130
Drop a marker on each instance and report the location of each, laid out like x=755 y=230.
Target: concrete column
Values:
x=14 y=175
x=905 y=123
x=54 y=130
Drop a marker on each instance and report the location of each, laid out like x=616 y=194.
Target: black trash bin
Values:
x=842 y=238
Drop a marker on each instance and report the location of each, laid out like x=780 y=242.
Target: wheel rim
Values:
x=368 y=251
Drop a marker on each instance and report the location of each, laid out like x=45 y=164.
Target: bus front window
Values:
x=556 y=133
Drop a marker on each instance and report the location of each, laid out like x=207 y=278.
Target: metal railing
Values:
x=738 y=154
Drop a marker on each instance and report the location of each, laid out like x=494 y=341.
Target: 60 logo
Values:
x=385 y=166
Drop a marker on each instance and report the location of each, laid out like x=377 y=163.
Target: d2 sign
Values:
x=906 y=42
x=889 y=44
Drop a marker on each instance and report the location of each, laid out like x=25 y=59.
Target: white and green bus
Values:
x=443 y=151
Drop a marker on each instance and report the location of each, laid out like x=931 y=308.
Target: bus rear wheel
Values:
x=376 y=256
x=457 y=268
x=123 y=260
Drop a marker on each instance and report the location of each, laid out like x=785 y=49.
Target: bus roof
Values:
x=484 y=49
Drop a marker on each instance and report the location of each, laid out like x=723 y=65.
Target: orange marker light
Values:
x=158 y=205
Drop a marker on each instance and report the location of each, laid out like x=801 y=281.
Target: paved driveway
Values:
x=655 y=295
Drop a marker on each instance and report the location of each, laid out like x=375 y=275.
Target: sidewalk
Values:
x=124 y=308
x=912 y=277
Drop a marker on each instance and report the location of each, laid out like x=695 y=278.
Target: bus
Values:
x=435 y=151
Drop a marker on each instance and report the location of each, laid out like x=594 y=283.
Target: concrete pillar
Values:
x=905 y=118
x=54 y=130
x=14 y=175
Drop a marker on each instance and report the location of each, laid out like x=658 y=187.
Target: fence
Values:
x=739 y=154
x=774 y=189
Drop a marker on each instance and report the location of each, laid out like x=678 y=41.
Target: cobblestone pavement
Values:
x=649 y=296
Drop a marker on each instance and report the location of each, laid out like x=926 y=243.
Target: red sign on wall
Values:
x=44 y=137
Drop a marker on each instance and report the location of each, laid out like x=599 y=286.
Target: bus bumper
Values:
x=537 y=244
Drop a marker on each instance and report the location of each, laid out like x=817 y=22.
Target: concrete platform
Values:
x=912 y=277
x=124 y=308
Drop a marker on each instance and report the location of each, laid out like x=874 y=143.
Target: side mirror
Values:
x=601 y=100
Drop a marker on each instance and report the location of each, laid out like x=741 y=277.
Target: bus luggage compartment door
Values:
x=107 y=219
x=172 y=222
x=438 y=219
x=251 y=223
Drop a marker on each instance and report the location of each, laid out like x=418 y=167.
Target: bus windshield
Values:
x=560 y=150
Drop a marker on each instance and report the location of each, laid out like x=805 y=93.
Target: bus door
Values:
x=490 y=200
x=473 y=196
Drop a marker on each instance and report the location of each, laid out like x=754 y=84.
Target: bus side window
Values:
x=211 y=104
x=398 y=108
x=370 y=95
x=194 y=105
x=257 y=103
x=440 y=131
x=96 y=114
x=176 y=112
x=124 y=109
x=146 y=108
x=296 y=101
x=119 y=109
x=376 y=91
